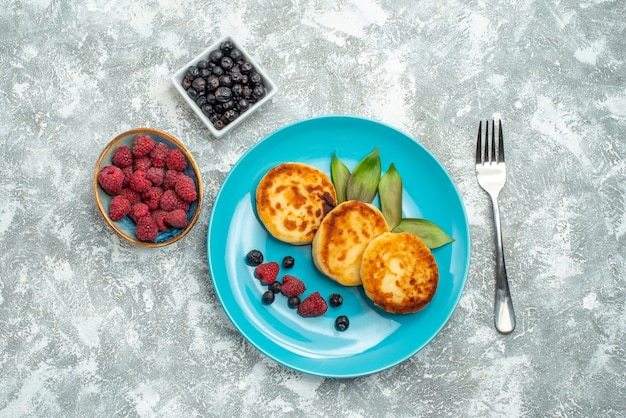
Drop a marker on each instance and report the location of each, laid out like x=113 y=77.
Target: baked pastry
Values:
x=342 y=237
x=291 y=201
x=399 y=273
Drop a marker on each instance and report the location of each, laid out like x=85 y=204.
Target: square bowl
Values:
x=125 y=227
x=187 y=74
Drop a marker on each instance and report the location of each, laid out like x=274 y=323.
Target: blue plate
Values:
x=375 y=339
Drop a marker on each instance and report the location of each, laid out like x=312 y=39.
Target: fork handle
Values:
x=504 y=315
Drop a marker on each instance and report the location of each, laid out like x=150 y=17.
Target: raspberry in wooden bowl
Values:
x=148 y=187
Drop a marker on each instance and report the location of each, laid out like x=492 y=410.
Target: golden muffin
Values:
x=291 y=201
x=399 y=273
x=342 y=237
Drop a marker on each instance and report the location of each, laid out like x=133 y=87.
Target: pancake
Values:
x=399 y=273
x=291 y=201
x=342 y=237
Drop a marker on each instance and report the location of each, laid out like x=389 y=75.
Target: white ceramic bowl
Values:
x=270 y=88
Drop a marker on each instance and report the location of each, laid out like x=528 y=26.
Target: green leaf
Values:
x=390 y=191
x=363 y=182
x=427 y=231
x=340 y=175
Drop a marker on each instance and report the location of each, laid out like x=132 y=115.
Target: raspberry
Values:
x=175 y=160
x=292 y=286
x=176 y=218
x=152 y=198
x=170 y=201
x=159 y=218
x=138 y=182
x=155 y=175
x=119 y=207
x=146 y=229
x=132 y=196
x=143 y=145
x=138 y=211
x=186 y=188
x=122 y=157
x=142 y=163
x=267 y=272
x=159 y=154
x=111 y=179
x=169 y=179
x=313 y=305
x=128 y=172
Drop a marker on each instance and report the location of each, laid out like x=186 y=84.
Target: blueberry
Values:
x=235 y=76
x=217 y=70
x=255 y=78
x=212 y=82
x=201 y=101
x=288 y=262
x=193 y=93
x=227 y=46
x=226 y=80
x=268 y=297
x=223 y=94
x=254 y=257
x=243 y=105
x=342 y=323
x=258 y=92
x=335 y=299
x=226 y=63
x=235 y=54
x=276 y=287
x=193 y=72
x=294 y=302
x=207 y=109
x=237 y=90
x=199 y=83
x=216 y=56
x=246 y=67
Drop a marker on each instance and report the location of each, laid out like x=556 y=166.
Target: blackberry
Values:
x=254 y=257
x=288 y=262
x=342 y=323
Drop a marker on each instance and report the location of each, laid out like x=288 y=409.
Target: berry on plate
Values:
x=313 y=305
x=292 y=286
x=267 y=272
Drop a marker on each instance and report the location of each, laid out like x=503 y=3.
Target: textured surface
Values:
x=92 y=326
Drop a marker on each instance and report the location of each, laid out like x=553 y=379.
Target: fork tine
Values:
x=479 y=146
x=500 y=143
x=493 y=141
x=486 y=149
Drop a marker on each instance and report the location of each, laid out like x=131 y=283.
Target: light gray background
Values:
x=93 y=326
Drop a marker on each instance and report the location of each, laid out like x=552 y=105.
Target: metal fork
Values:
x=491 y=175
